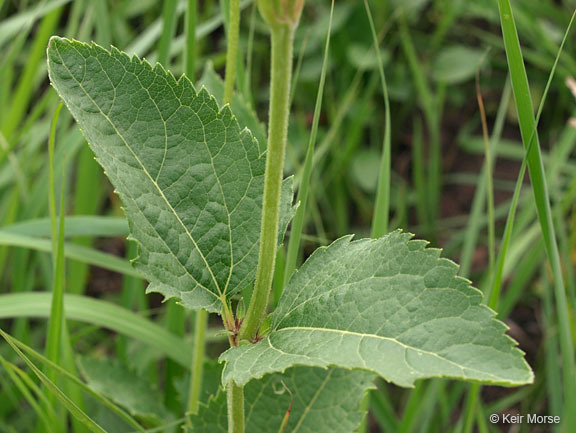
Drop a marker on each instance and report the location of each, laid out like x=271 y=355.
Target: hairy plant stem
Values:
x=232 y=50
x=281 y=71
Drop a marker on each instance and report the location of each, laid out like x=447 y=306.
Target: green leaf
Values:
x=245 y=114
x=456 y=64
x=124 y=387
x=390 y=306
x=190 y=178
x=325 y=401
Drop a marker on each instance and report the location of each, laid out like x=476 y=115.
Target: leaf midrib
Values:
x=312 y=401
x=368 y=335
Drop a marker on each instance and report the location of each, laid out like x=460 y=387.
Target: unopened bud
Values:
x=281 y=12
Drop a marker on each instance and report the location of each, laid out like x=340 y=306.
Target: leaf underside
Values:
x=124 y=387
x=325 y=401
x=241 y=109
x=390 y=306
x=190 y=178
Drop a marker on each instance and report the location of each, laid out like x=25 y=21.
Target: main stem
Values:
x=281 y=75
x=232 y=50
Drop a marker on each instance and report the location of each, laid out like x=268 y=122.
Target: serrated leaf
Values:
x=245 y=114
x=325 y=401
x=125 y=388
x=190 y=178
x=390 y=306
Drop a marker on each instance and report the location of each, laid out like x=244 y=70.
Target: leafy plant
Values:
x=195 y=187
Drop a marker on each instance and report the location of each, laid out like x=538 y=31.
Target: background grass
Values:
x=430 y=52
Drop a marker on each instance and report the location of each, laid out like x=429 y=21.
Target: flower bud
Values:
x=281 y=12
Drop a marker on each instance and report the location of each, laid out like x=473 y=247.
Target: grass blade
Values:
x=495 y=281
x=25 y=87
x=81 y=225
x=72 y=251
x=103 y=27
x=382 y=207
x=56 y=321
x=495 y=286
x=534 y=162
x=102 y=314
x=46 y=414
x=430 y=107
x=87 y=198
x=488 y=178
x=169 y=15
x=17 y=345
x=74 y=410
x=474 y=221
x=191 y=50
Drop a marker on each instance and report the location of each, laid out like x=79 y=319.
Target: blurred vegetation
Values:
x=434 y=51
